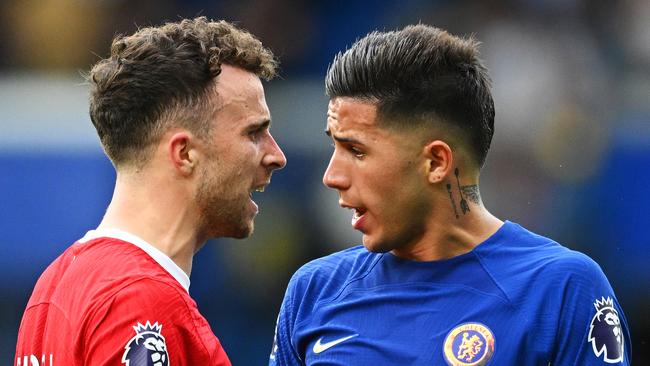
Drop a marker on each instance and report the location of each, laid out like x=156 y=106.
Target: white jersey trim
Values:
x=155 y=253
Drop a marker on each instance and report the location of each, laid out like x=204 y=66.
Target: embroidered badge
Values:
x=605 y=332
x=469 y=344
x=147 y=347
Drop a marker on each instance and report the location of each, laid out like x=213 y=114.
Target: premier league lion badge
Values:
x=469 y=344
x=147 y=347
x=605 y=333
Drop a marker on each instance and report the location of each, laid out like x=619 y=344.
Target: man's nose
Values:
x=335 y=176
x=275 y=158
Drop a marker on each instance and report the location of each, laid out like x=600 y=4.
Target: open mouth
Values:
x=258 y=189
x=358 y=212
x=357 y=217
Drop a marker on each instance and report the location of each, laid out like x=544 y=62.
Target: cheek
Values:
x=235 y=162
x=403 y=202
x=385 y=201
x=247 y=157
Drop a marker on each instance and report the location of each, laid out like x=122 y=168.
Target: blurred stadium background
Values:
x=570 y=159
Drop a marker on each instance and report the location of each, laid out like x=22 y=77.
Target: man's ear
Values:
x=440 y=160
x=182 y=153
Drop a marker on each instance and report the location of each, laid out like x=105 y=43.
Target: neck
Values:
x=157 y=212
x=457 y=225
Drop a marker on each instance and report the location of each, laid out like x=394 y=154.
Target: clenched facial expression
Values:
x=240 y=155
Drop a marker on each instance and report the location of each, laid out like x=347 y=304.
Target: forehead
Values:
x=344 y=113
x=239 y=94
x=356 y=120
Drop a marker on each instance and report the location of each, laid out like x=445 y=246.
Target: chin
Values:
x=243 y=234
x=376 y=246
x=242 y=230
x=237 y=230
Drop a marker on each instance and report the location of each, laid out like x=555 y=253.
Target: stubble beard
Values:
x=222 y=212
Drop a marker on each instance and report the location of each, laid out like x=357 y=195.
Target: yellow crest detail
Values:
x=469 y=344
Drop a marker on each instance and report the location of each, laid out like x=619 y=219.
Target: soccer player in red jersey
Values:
x=181 y=113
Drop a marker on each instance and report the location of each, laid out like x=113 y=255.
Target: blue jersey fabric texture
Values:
x=516 y=299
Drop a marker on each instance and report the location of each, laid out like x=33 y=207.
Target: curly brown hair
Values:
x=161 y=77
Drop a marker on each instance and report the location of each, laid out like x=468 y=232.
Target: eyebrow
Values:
x=342 y=139
x=266 y=123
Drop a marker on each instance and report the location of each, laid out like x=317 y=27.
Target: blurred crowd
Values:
x=570 y=157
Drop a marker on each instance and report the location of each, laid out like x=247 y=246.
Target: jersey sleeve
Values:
x=283 y=352
x=149 y=322
x=592 y=328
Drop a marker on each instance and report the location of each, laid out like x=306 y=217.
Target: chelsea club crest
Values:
x=469 y=344
x=147 y=348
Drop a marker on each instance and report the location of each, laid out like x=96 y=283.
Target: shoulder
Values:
x=141 y=300
x=337 y=267
x=325 y=277
x=151 y=293
x=88 y=272
x=93 y=275
x=111 y=254
x=574 y=263
x=534 y=251
x=107 y=263
x=574 y=274
x=345 y=259
x=320 y=281
x=149 y=308
x=525 y=263
x=124 y=281
x=555 y=259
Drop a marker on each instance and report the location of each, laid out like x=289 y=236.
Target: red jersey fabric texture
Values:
x=106 y=301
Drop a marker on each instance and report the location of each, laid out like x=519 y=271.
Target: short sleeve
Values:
x=149 y=322
x=592 y=328
x=283 y=352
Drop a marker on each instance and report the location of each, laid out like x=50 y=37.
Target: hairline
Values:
x=427 y=126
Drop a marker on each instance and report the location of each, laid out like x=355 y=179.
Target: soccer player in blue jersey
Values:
x=439 y=279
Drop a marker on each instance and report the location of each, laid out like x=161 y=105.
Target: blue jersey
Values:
x=516 y=299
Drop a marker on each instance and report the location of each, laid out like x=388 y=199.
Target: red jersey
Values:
x=113 y=299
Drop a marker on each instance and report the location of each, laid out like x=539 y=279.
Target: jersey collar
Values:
x=155 y=253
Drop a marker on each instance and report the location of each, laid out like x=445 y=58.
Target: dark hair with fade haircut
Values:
x=417 y=75
x=163 y=75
